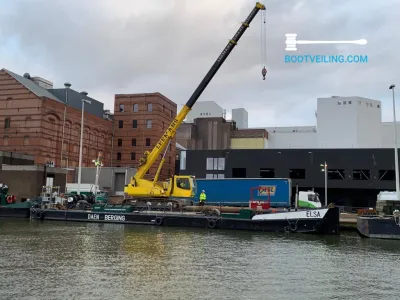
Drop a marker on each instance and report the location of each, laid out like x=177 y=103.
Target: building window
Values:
x=118 y=155
x=344 y=102
x=149 y=107
x=163 y=108
x=133 y=142
x=7 y=123
x=148 y=123
x=267 y=173
x=119 y=142
x=239 y=173
x=387 y=175
x=170 y=147
x=336 y=174
x=169 y=159
x=378 y=106
x=5 y=140
x=135 y=107
x=121 y=124
x=361 y=174
x=162 y=125
x=121 y=108
x=183 y=160
x=297 y=173
x=339 y=102
x=134 y=124
x=147 y=142
x=133 y=156
x=170 y=113
x=349 y=102
x=215 y=163
x=215 y=176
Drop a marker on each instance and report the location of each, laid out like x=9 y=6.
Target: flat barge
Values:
x=318 y=221
x=379 y=227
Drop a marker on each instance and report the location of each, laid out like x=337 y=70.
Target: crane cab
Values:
x=182 y=187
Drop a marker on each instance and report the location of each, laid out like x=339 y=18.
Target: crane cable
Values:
x=263 y=32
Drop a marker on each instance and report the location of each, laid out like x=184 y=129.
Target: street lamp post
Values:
x=97 y=162
x=325 y=170
x=81 y=145
x=396 y=155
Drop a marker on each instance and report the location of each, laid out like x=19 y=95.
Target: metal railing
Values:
x=355 y=209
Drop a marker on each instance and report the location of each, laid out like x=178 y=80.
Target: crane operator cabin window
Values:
x=183 y=183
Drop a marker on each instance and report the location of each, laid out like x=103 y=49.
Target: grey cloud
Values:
x=170 y=52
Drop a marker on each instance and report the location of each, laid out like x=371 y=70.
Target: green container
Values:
x=118 y=208
x=98 y=207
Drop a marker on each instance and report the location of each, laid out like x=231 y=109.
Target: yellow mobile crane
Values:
x=178 y=189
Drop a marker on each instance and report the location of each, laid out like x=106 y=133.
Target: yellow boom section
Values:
x=149 y=158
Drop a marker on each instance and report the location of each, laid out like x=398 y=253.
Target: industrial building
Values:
x=349 y=136
x=217 y=133
x=26 y=180
x=210 y=109
x=355 y=176
x=204 y=109
x=341 y=122
x=241 y=117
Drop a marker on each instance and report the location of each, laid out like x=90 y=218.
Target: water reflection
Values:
x=65 y=260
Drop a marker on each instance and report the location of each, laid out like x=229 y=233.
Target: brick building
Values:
x=32 y=122
x=140 y=121
x=32 y=118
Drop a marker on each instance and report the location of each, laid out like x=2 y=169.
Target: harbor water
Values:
x=57 y=260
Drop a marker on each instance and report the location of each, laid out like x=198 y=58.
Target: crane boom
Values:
x=150 y=157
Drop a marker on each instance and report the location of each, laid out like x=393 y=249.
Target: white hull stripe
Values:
x=294 y=215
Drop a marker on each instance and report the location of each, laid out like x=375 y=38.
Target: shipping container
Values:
x=240 y=191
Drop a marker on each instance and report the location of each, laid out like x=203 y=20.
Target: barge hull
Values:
x=12 y=212
x=379 y=227
x=328 y=225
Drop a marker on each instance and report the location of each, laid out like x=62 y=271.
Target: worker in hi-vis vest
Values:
x=202 y=198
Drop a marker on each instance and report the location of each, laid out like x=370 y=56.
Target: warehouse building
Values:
x=341 y=122
x=355 y=176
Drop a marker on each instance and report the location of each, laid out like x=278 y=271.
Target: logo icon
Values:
x=266 y=190
x=291 y=42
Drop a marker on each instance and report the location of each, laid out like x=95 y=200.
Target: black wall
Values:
x=373 y=160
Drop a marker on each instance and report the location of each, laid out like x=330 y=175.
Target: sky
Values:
x=130 y=46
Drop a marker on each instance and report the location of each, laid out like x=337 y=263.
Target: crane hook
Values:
x=264 y=72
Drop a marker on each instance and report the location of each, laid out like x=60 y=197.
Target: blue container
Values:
x=239 y=191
